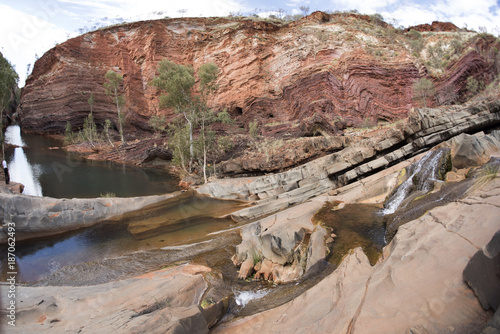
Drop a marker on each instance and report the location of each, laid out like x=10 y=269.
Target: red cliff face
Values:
x=322 y=73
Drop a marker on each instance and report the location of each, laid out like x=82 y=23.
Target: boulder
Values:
x=278 y=241
x=469 y=151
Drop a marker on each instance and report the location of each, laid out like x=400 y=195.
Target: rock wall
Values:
x=325 y=71
x=425 y=128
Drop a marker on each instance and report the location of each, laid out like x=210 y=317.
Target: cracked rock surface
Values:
x=416 y=287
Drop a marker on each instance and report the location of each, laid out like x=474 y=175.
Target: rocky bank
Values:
x=417 y=285
x=42 y=216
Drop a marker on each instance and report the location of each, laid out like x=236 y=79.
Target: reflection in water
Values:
x=47 y=170
x=39 y=258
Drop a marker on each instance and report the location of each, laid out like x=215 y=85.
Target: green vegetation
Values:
x=207 y=302
x=158 y=123
x=487 y=174
x=112 y=87
x=8 y=82
x=474 y=86
x=107 y=195
x=253 y=129
x=192 y=137
x=423 y=90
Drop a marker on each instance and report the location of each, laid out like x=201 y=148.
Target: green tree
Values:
x=8 y=81
x=207 y=74
x=112 y=88
x=158 y=123
x=107 y=125
x=473 y=85
x=423 y=90
x=177 y=82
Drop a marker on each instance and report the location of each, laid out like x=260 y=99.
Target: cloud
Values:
x=25 y=35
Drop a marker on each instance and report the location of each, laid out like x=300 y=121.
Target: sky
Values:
x=29 y=28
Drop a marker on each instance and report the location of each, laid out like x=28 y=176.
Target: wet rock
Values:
x=482 y=274
x=317 y=248
x=41 y=216
x=246 y=268
x=215 y=312
x=417 y=286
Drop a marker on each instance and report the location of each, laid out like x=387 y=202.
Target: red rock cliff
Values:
x=324 y=71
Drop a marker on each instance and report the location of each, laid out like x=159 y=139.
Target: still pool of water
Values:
x=46 y=170
x=39 y=258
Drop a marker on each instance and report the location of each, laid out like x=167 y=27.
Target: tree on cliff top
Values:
x=112 y=88
x=8 y=80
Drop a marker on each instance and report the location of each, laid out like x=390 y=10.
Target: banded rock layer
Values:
x=324 y=71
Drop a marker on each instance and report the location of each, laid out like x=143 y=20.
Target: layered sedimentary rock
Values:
x=425 y=128
x=42 y=216
x=321 y=73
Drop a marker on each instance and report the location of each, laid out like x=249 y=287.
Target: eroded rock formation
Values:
x=318 y=74
x=150 y=303
x=416 y=287
x=424 y=129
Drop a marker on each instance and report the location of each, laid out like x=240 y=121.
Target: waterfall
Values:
x=426 y=169
x=20 y=169
x=13 y=136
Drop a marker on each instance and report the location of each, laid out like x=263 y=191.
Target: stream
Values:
x=186 y=228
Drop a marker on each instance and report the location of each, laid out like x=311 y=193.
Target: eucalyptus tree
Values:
x=177 y=86
x=112 y=87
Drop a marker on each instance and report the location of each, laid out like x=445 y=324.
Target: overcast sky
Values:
x=28 y=28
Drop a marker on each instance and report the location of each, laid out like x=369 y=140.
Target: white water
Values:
x=20 y=169
x=13 y=136
x=243 y=297
x=428 y=163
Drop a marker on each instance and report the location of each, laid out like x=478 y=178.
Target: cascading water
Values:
x=423 y=174
x=20 y=169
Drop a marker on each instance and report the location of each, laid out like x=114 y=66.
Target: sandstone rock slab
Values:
x=165 y=301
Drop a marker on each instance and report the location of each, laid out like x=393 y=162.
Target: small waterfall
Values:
x=425 y=170
x=243 y=297
x=19 y=167
x=13 y=136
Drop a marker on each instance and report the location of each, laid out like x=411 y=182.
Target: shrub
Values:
x=253 y=129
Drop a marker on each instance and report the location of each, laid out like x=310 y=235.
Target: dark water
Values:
x=38 y=259
x=63 y=174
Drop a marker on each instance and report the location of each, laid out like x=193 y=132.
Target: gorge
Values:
x=341 y=131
